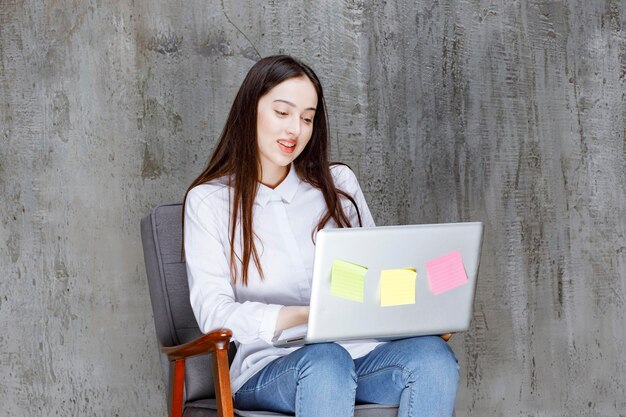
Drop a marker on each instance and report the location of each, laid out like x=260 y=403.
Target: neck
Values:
x=273 y=177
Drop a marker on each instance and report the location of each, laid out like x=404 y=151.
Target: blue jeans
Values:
x=419 y=374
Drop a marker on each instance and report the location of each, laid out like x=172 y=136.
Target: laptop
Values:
x=443 y=298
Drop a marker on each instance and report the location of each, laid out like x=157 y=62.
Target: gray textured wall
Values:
x=508 y=112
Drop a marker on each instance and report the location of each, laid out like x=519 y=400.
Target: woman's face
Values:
x=284 y=126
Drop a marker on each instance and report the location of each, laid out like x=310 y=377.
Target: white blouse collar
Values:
x=285 y=191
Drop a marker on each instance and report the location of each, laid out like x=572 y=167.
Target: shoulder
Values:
x=213 y=195
x=344 y=177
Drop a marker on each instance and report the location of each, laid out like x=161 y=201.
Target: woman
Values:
x=249 y=233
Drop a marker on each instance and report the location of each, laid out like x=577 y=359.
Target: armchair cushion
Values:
x=169 y=292
x=207 y=408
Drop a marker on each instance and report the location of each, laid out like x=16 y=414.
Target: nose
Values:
x=294 y=126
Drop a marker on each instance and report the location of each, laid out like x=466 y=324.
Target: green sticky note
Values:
x=347 y=280
x=397 y=287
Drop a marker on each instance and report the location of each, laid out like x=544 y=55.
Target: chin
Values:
x=284 y=162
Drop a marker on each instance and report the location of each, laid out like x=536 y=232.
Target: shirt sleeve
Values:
x=211 y=292
x=346 y=181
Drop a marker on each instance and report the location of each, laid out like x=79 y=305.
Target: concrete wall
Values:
x=508 y=112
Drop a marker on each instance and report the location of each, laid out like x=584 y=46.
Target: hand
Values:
x=304 y=314
x=290 y=316
x=446 y=336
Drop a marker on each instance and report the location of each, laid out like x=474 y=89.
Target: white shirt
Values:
x=283 y=221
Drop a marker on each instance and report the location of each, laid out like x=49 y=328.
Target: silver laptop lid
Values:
x=334 y=318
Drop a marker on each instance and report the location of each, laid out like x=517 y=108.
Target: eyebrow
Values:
x=292 y=105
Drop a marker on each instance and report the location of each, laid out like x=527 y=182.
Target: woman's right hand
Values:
x=290 y=316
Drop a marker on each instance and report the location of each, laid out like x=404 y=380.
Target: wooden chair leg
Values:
x=221 y=378
x=177 y=384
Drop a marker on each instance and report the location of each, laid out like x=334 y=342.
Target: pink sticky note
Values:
x=446 y=272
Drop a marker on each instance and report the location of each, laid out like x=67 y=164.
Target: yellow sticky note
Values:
x=347 y=280
x=397 y=287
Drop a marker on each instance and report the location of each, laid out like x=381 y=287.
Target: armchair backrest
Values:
x=161 y=234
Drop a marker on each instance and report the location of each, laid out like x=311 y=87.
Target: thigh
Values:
x=384 y=373
x=273 y=387
x=314 y=371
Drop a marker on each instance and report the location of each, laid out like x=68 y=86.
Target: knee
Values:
x=327 y=360
x=434 y=360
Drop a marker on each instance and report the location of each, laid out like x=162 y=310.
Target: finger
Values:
x=446 y=336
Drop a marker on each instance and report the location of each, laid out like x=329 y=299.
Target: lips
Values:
x=287 y=145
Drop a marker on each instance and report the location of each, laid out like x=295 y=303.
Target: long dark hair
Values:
x=237 y=156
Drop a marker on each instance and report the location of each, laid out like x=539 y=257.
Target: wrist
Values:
x=304 y=314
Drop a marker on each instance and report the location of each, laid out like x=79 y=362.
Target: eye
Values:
x=280 y=113
x=307 y=120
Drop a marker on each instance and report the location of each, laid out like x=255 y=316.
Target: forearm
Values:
x=290 y=316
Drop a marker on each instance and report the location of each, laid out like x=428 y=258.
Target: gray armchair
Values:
x=195 y=365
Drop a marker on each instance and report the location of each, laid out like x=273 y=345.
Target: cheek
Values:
x=307 y=138
x=261 y=123
x=266 y=123
x=309 y=132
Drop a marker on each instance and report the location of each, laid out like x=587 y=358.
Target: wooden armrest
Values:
x=210 y=342
x=216 y=342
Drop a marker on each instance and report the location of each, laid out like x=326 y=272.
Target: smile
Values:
x=287 y=146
